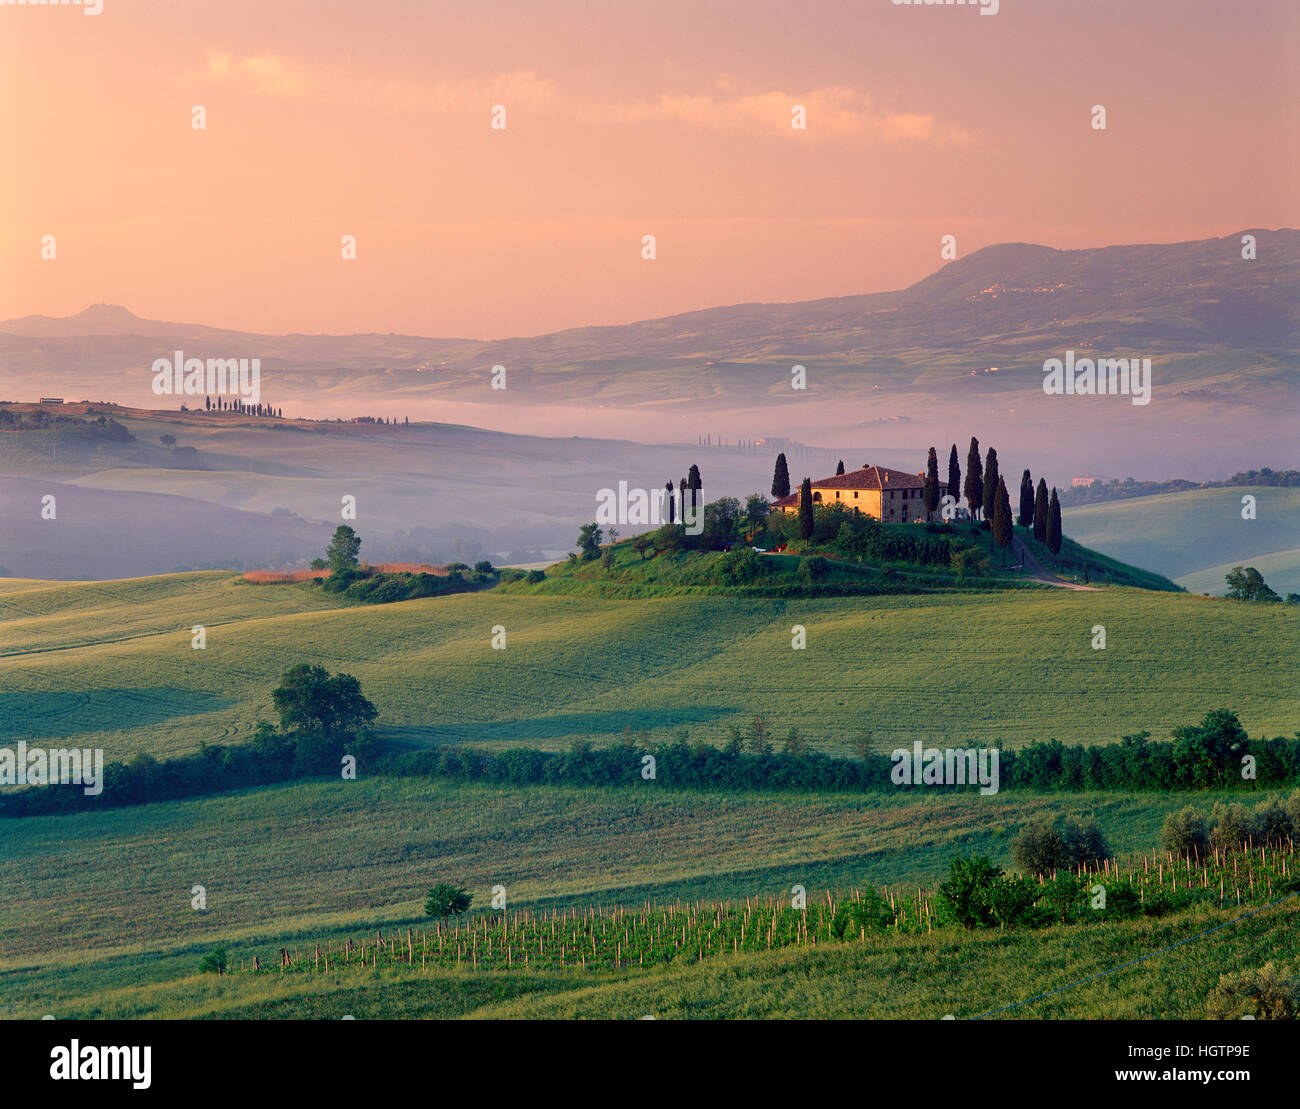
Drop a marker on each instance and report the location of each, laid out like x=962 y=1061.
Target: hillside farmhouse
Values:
x=891 y=496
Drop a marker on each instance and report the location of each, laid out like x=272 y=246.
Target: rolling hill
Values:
x=1196 y=536
x=110 y=664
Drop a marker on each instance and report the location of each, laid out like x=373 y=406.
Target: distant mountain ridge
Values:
x=1199 y=294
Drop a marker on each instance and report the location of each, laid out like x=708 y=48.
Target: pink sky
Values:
x=671 y=119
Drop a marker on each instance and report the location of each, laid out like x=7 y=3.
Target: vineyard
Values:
x=596 y=939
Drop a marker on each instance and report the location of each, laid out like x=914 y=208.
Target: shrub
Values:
x=214 y=962
x=1122 y=903
x=1274 y=824
x=854 y=917
x=1232 y=827
x=811 y=569
x=534 y=576
x=739 y=566
x=512 y=573
x=1270 y=992
x=1085 y=844
x=1184 y=834
x=443 y=901
x=1045 y=846
x=1039 y=848
x=483 y=566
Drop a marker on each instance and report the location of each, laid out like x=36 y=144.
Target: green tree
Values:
x=311 y=702
x=954 y=476
x=589 y=538
x=1026 y=500
x=807 y=519
x=963 y=898
x=974 y=489
x=1054 y=526
x=167 y=440
x=214 y=962
x=694 y=483
x=759 y=740
x=1002 y=530
x=1040 y=512
x=444 y=900
x=930 y=494
x=991 y=478
x=1245 y=583
x=1184 y=834
x=1206 y=753
x=781 y=477
x=794 y=743
x=343 y=550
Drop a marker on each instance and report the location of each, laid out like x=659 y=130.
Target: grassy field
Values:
x=111 y=665
x=95 y=915
x=1197 y=536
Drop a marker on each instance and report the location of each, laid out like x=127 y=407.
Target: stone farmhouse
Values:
x=891 y=496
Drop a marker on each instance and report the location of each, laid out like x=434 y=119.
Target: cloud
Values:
x=273 y=74
x=833 y=112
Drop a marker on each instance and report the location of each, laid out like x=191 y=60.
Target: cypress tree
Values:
x=954 y=476
x=931 y=492
x=840 y=468
x=1054 y=527
x=991 y=478
x=781 y=477
x=672 y=507
x=974 y=479
x=806 y=518
x=1026 y=500
x=1002 y=531
x=1040 y=512
x=694 y=483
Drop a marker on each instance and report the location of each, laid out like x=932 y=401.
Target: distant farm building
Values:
x=1085 y=480
x=51 y=400
x=891 y=496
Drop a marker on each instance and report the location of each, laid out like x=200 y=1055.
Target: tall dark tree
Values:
x=954 y=476
x=930 y=493
x=974 y=490
x=807 y=520
x=1040 y=512
x=1002 y=531
x=1026 y=500
x=694 y=484
x=991 y=477
x=207 y=403
x=344 y=547
x=840 y=468
x=672 y=507
x=1054 y=527
x=781 y=477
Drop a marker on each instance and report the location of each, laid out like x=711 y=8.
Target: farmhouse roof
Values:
x=871 y=477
